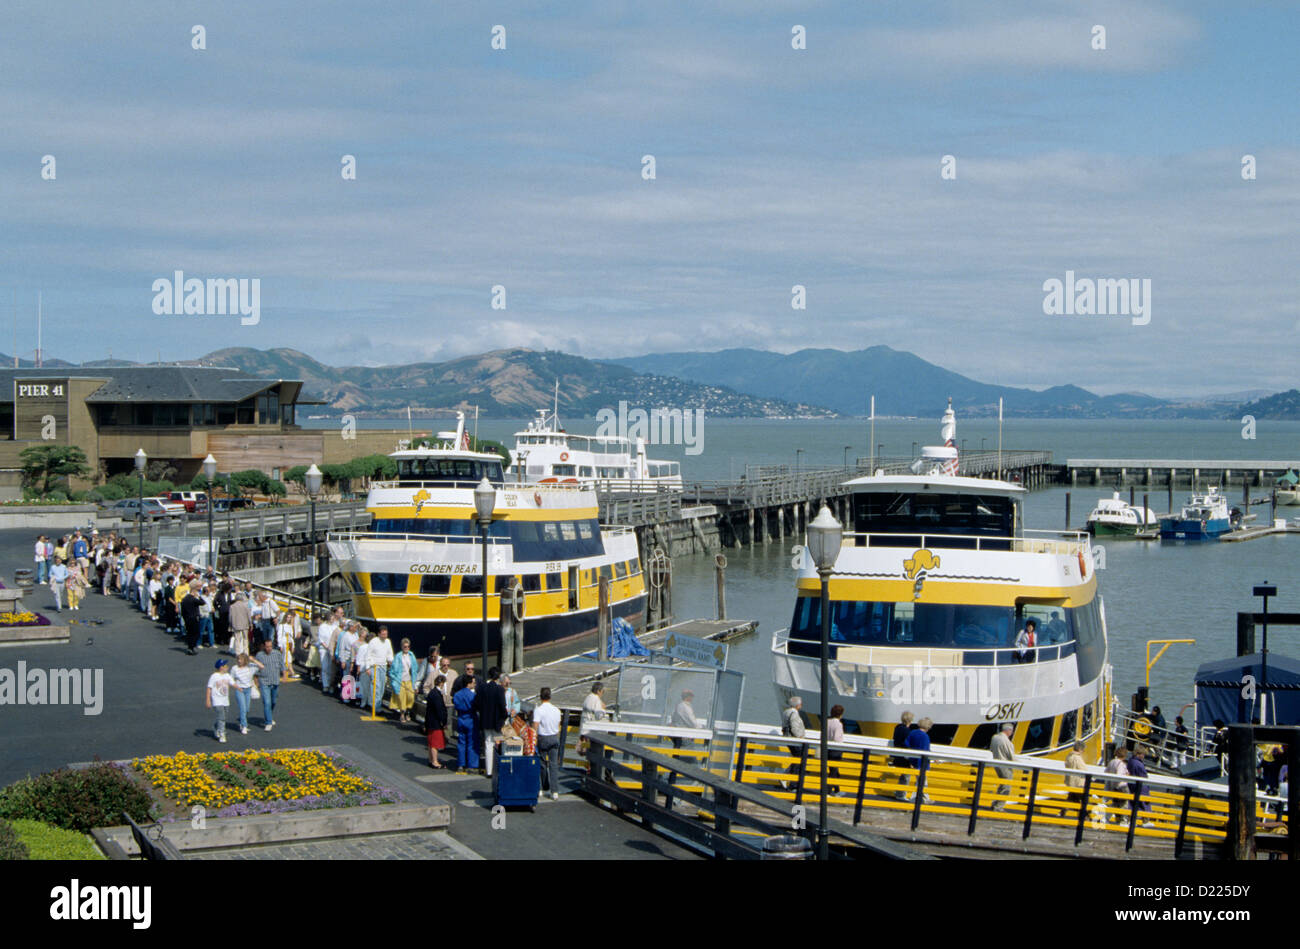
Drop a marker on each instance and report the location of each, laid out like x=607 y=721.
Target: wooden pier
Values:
x=1176 y=472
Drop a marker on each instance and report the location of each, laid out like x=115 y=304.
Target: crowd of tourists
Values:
x=348 y=661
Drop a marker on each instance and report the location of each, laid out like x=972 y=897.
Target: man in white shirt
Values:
x=324 y=635
x=42 y=561
x=547 y=719
x=346 y=649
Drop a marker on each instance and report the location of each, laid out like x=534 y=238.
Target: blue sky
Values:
x=775 y=167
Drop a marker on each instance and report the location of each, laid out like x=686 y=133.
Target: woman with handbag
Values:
x=435 y=721
x=77 y=585
x=243 y=671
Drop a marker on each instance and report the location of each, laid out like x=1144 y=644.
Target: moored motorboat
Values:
x=1114 y=517
x=1203 y=517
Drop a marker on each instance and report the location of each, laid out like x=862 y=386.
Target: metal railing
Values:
x=1170 y=748
x=939 y=658
x=265 y=522
x=1049 y=542
x=870 y=776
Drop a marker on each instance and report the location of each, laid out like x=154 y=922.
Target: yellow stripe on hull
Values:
x=939 y=591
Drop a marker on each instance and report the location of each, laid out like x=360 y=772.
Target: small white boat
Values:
x=1114 y=517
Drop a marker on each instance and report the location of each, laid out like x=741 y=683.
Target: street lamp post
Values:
x=982 y=441
x=825 y=535
x=141 y=459
x=798 y=462
x=485 y=498
x=846 y=457
x=312 y=481
x=210 y=472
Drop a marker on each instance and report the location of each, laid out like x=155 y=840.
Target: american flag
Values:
x=464 y=440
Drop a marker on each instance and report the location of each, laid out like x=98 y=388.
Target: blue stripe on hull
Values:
x=1176 y=528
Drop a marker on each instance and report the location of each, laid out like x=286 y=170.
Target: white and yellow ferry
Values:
x=934 y=583
x=545 y=453
x=418 y=569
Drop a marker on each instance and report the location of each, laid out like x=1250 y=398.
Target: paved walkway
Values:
x=418 y=845
x=153 y=704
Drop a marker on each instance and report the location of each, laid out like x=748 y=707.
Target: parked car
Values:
x=220 y=505
x=191 y=499
x=151 y=508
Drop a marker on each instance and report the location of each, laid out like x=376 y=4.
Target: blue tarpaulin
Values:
x=623 y=641
x=1220 y=686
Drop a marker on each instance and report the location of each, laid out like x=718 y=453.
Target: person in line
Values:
x=1003 y=750
x=512 y=696
x=1117 y=766
x=58 y=582
x=190 y=605
x=326 y=630
x=449 y=676
x=270 y=668
x=492 y=716
x=401 y=681
x=1026 y=641
x=546 y=718
x=217 y=697
x=286 y=637
x=427 y=673
x=42 y=560
x=435 y=722
x=1074 y=761
x=1181 y=740
x=207 y=601
x=918 y=739
x=240 y=620
x=466 y=744
x=792 y=726
x=906 y=722
x=593 y=710
x=834 y=732
x=243 y=671
x=1137 y=767
x=77 y=584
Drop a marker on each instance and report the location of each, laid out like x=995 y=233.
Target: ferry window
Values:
x=563 y=471
x=573 y=588
x=435 y=584
x=550 y=532
x=622 y=472
x=1087 y=721
x=633 y=568
x=987 y=515
x=568 y=530
x=1068 y=721
x=388 y=582
x=471 y=585
x=1049 y=620
x=931 y=624
x=1091 y=647
x=620 y=569
x=1039 y=734
x=605 y=573
x=585 y=530
x=982 y=737
x=352 y=582
x=585 y=471
x=532 y=582
x=942 y=734
x=554 y=582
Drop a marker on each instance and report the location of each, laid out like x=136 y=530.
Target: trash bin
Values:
x=787 y=847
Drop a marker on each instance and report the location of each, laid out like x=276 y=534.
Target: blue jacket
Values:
x=464 y=703
x=395 y=671
x=920 y=741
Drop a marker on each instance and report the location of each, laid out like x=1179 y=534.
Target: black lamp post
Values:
x=141 y=459
x=798 y=460
x=825 y=535
x=846 y=457
x=210 y=472
x=312 y=480
x=485 y=499
x=1264 y=591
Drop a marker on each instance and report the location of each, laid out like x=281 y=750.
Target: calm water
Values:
x=1151 y=590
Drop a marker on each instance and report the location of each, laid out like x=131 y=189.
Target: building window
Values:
x=268 y=408
x=286 y=414
x=244 y=412
x=226 y=414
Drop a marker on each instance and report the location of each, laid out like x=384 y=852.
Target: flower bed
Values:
x=237 y=784
x=22 y=618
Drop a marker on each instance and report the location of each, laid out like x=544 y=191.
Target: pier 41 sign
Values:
x=701 y=652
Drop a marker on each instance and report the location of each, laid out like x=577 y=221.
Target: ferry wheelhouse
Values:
x=546 y=454
x=418 y=569
x=928 y=596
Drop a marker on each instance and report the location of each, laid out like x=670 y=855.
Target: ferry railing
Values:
x=506 y=485
x=870 y=776
x=459 y=540
x=930 y=656
x=1137 y=726
x=1053 y=542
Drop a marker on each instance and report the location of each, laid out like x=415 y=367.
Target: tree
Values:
x=43 y=464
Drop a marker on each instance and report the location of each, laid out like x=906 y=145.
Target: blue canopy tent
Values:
x=1220 y=684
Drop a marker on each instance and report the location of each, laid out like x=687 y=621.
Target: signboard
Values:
x=691 y=649
x=41 y=410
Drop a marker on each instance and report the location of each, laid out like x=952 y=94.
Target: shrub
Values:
x=56 y=497
x=50 y=843
x=76 y=799
x=110 y=492
x=11 y=848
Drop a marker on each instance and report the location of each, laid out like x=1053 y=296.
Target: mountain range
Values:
x=816 y=383
x=905 y=385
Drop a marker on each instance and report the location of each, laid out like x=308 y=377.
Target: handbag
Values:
x=313 y=657
x=256 y=693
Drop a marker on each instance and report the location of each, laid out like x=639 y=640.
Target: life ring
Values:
x=1142 y=727
x=564 y=456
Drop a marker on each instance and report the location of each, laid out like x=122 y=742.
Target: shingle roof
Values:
x=157 y=383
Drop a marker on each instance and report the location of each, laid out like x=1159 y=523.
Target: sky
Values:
x=774 y=167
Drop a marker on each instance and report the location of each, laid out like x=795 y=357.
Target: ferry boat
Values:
x=1287 y=489
x=1203 y=517
x=419 y=568
x=546 y=454
x=1113 y=517
x=929 y=592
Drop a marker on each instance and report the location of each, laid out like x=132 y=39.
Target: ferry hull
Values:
x=1177 y=528
x=1104 y=529
x=545 y=638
